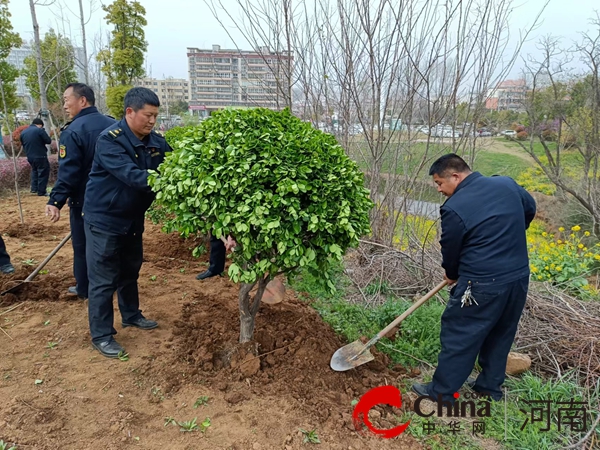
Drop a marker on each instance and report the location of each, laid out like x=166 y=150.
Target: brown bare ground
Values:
x=85 y=401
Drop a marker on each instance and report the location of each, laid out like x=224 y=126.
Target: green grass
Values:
x=419 y=340
x=487 y=161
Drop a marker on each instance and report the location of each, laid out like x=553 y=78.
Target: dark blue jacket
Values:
x=34 y=142
x=483 y=230
x=75 y=155
x=117 y=194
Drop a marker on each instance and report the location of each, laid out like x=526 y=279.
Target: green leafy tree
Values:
x=178 y=107
x=286 y=192
x=123 y=60
x=58 y=60
x=8 y=73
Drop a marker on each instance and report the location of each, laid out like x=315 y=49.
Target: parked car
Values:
x=484 y=133
x=509 y=133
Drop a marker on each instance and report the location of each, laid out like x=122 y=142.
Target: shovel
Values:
x=356 y=353
x=33 y=274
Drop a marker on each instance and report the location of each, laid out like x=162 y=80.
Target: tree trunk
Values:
x=40 y=69
x=84 y=42
x=249 y=307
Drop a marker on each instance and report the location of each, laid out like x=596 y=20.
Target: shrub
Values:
x=287 y=192
x=7 y=172
x=522 y=135
x=176 y=133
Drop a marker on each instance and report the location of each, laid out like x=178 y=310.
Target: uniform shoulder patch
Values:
x=62 y=151
x=115 y=133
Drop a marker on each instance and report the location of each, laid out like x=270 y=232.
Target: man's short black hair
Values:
x=83 y=90
x=138 y=97
x=37 y=122
x=447 y=164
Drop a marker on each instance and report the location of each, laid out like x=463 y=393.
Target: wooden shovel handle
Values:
x=33 y=274
x=410 y=310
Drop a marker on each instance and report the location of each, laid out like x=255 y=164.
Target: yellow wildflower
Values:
x=539 y=277
x=597 y=257
x=587 y=233
x=534 y=269
x=558 y=269
x=576 y=228
x=580 y=246
x=546 y=234
x=559 y=241
x=561 y=229
x=572 y=236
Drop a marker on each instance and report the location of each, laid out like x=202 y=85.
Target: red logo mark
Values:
x=382 y=395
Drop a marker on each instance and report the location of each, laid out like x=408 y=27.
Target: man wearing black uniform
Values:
x=34 y=140
x=116 y=199
x=484 y=252
x=76 y=153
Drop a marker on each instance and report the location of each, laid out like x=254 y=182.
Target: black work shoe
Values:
x=421 y=389
x=110 y=348
x=142 y=323
x=207 y=274
x=73 y=291
x=7 y=269
x=43 y=195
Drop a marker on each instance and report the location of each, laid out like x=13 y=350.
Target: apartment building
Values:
x=508 y=95
x=220 y=78
x=169 y=90
x=17 y=56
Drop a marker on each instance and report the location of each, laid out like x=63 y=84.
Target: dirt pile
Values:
x=294 y=348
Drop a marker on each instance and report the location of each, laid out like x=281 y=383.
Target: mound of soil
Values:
x=26 y=229
x=46 y=287
x=290 y=357
x=171 y=247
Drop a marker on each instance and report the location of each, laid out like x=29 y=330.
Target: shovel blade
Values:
x=13 y=289
x=350 y=356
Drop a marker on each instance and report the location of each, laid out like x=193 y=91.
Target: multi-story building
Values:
x=169 y=90
x=508 y=95
x=17 y=57
x=240 y=78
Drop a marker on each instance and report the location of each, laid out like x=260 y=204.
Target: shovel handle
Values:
x=410 y=310
x=33 y=274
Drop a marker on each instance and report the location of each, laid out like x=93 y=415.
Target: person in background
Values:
x=34 y=140
x=75 y=155
x=116 y=199
x=484 y=255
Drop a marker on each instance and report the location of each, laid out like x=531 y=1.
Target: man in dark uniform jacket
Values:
x=116 y=199
x=34 y=140
x=75 y=155
x=484 y=250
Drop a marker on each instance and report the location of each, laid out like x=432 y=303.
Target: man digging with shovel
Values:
x=484 y=252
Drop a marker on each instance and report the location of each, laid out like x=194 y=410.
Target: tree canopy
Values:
x=284 y=190
x=123 y=60
x=58 y=61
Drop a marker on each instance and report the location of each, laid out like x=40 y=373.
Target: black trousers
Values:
x=114 y=263
x=40 y=172
x=486 y=330
x=4 y=258
x=78 y=241
x=217 y=255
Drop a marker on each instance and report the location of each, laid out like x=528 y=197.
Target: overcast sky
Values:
x=174 y=25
